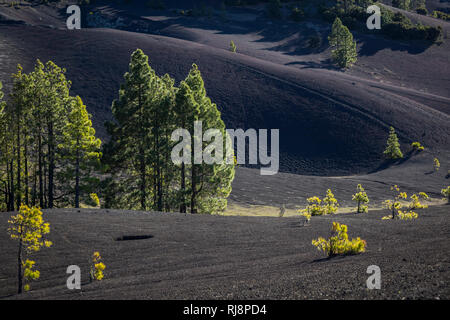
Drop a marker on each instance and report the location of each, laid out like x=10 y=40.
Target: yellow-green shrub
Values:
x=338 y=243
x=446 y=193
x=29 y=228
x=436 y=164
x=318 y=207
x=417 y=146
x=362 y=199
x=97 y=267
x=415 y=201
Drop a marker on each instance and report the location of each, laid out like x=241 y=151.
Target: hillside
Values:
x=325 y=115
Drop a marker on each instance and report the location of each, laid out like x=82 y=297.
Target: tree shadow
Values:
x=390 y=163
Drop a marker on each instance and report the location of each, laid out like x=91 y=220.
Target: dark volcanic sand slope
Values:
x=330 y=123
x=212 y=257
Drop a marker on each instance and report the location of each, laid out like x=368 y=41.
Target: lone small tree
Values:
x=28 y=228
x=362 y=199
x=446 y=193
x=341 y=39
x=436 y=164
x=393 y=150
x=233 y=47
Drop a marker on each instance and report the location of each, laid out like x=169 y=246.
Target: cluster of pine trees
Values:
x=47 y=143
x=50 y=156
x=138 y=157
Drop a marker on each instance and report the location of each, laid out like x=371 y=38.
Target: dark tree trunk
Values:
x=51 y=165
x=183 y=188
x=19 y=268
x=77 y=179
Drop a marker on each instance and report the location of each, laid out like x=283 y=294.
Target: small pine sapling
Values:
x=29 y=228
x=97 y=267
x=436 y=164
x=338 y=242
x=362 y=199
x=446 y=193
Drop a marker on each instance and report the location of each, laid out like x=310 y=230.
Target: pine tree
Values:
x=341 y=39
x=80 y=148
x=393 y=146
x=210 y=184
x=140 y=136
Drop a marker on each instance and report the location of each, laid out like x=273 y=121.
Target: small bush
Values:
x=415 y=201
x=436 y=164
x=440 y=15
x=362 y=199
x=338 y=242
x=233 y=47
x=417 y=146
x=318 y=207
x=446 y=193
x=97 y=267
x=395 y=205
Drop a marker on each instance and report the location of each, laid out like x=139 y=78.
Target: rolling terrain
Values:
x=333 y=130
x=215 y=257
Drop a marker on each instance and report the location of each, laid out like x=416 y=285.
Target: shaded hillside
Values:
x=326 y=125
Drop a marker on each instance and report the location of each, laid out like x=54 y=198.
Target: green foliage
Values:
x=50 y=139
x=233 y=47
x=440 y=15
x=446 y=193
x=436 y=164
x=393 y=150
x=417 y=146
x=341 y=39
x=28 y=228
x=362 y=199
x=338 y=242
x=317 y=207
x=395 y=205
x=80 y=149
x=138 y=157
x=97 y=267
x=415 y=201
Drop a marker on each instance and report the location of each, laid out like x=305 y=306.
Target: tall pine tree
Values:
x=341 y=39
x=80 y=148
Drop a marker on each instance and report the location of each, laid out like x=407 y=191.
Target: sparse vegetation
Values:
x=393 y=150
x=97 y=267
x=395 y=205
x=415 y=201
x=341 y=39
x=436 y=164
x=417 y=146
x=28 y=228
x=318 y=207
x=362 y=199
x=233 y=47
x=338 y=242
x=446 y=193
